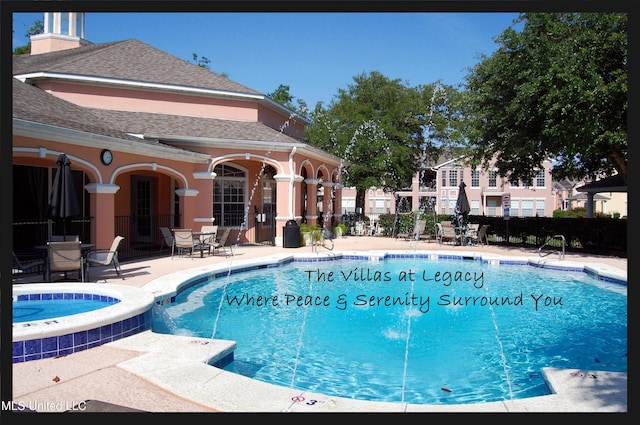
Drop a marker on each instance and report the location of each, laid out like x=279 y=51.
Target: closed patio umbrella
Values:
x=64 y=202
x=462 y=204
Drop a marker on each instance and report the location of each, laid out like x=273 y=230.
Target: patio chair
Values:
x=64 y=257
x=167 y=238
x=209 y=239
x=429 y=235
x=470 y=232
x=221 y=244
x=481 y=236
x=183 y=240
x=447 y=233
x=419 y=228
x=26 y=264
x=105 y=257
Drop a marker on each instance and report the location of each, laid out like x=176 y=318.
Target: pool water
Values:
x=410 y=330
x=30 y=310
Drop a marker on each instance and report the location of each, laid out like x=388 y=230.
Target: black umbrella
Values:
x=462 y=203
x=64 y=202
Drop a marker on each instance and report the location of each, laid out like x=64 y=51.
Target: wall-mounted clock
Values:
x=106 y=156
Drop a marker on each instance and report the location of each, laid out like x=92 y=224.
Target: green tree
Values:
x=444 y=121
x=36 y=28
x=555 y=90
x=283 y=97
x=377 y=126
x=203 y=62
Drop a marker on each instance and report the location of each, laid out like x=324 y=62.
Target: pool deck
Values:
x=162 y=373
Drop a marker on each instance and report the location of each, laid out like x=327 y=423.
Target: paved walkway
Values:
x=117 y=376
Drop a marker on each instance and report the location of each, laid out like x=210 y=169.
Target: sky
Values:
x=315 y=54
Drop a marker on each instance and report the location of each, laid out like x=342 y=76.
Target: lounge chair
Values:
x=26 y=264
x=65 y=257
x=105 y=257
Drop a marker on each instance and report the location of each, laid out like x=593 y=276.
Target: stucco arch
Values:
x=308 y=166
x=183 y=181
x=246 y=156
x=77 y=163
x=323 y=173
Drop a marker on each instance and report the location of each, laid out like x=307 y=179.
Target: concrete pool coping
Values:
x=100 y=373
x=178 y=364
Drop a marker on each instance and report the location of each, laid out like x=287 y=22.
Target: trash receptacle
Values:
x=291 y=235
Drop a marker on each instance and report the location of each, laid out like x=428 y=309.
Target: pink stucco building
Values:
x=185 y=147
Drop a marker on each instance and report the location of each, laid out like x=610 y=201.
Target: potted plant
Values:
x=307 y=232
x=339 y=230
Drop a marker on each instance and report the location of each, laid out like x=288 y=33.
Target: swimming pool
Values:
x=60 y=333
x=406 y=326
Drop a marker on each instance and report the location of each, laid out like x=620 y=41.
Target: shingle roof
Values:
x=130 y=60
x=35 y=105
x=187 y=126
x=134 y=61
x=613 y=183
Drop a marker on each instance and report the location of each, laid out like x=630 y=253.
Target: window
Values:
x=493 y=181
x=475 y=207
x=514 y=210
x=48 y=22
x=229 y=189
x=79 y=25
x=64 y=23
x=453 y=177
x=444 y=178
x=475 y=178
x=452 y=205
x=527 y=208
x=540 y=181
x=492 y=207
x=540 y=207
x=349 y=205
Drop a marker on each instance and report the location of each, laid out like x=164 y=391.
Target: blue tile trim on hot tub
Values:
x=78 y=341
x=65 y=296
